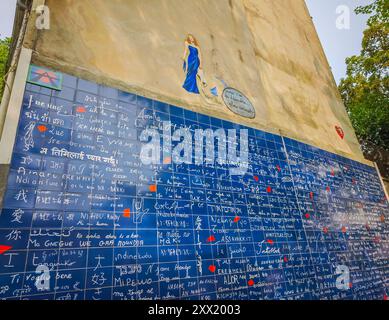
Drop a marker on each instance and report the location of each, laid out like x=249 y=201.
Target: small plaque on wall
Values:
x=238 y=103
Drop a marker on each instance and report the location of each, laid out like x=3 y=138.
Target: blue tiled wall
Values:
x=278 y=232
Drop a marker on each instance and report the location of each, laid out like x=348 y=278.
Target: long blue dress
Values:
x=193 y=62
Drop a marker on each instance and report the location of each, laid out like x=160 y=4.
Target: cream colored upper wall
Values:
x=267 y=49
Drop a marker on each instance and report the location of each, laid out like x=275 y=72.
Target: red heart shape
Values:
x=126 y=213
x=256 y=178
x=250 y=282
x=211 y=239
x=339 y=131
x=268 y=189
x=153 y=188
x=307 y=215
x=81 y=109
x=236 y=219
x=4 y=249
x=269 y=241
x=167 y=160
x=42 y=128
x=212 y=268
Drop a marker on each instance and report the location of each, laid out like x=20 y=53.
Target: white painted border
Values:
x=14 y=107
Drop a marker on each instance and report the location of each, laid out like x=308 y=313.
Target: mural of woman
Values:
x=192 y=65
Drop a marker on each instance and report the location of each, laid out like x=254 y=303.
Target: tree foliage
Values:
x=4 y=51
x=365 y=90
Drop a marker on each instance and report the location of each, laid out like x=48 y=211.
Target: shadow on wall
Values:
x=4 y=168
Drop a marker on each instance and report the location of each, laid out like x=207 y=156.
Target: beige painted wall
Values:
x=267 y=49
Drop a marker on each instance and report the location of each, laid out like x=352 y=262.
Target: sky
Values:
x=338 y=43
x=7 y=14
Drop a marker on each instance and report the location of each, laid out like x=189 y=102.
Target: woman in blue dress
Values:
x=192 y=65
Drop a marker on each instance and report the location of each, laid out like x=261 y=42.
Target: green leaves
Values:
x=4 y=51
x=365 y=90
x=379 y=10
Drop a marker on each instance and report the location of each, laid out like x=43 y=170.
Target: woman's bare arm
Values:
x=185 y=52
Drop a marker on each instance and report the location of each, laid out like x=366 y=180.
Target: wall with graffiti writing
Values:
x=84 y=217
